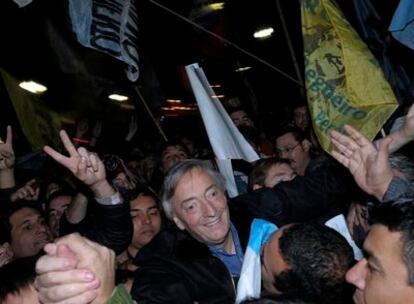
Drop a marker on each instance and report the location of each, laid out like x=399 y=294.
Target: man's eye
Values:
x=371 y=268
x=28 y=227
x=154 y=212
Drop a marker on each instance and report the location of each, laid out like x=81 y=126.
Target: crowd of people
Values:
x=92 y=227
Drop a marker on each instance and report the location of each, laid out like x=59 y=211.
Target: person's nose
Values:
x=209 y=210
x=357 y=274
x=147 y=219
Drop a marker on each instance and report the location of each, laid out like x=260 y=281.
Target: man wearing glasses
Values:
x=319 y=192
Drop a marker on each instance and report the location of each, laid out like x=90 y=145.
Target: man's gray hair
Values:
x=175 y=174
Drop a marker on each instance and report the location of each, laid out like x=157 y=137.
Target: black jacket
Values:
x=175 y=268
x=320 y=194
x=111 y=227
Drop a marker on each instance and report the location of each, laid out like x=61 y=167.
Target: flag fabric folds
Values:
x=39 y=124
x=344 y=83
x=249 y=285
x=226 y=140
x=402 y=23
x=109 y=26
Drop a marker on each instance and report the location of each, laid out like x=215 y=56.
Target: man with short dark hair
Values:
x=308 y=261
x=25 y=228
x=386 y=273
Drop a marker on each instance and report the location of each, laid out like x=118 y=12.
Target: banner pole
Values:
x=141 y=97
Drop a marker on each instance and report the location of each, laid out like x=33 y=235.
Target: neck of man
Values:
x=301 y=171
x=228 y=244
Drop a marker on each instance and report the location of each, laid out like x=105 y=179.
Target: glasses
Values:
x=287 y=149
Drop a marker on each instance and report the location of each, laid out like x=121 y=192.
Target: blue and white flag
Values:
x=225 y=139
x=402 y=24
x=109 y=26
x=249 y=285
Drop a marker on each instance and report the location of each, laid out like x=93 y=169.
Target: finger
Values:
x=67 y=143
x=48 y=263
x=73 y=276
x=344 y=149
x=60 y=158
x=64 y=292
x=50 y=248
x=9 y=139
x=340 y=158
x=84 y=298
x=85 y=154
x=29 y=191
x=36 y=194
x=94 y=161
x=344 y=140
x=359 y=138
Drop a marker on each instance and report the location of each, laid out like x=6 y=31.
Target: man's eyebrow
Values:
x=369 y=255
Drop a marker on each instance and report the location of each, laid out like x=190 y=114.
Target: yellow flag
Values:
x=344 y=83
x=39 y=124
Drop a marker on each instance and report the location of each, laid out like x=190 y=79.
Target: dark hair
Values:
x=258 y=174
x=132 y=194
x=318 y=259
x=16 y=276
x=8 y=211
x=399 y=218
x=297 y=133
x=173 y=144
x=251 y=134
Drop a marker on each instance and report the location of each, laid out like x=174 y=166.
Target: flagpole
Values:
x=150 y=113
x=290 y=46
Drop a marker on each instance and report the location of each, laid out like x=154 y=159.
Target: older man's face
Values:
x=200 y=207
x=381 y=277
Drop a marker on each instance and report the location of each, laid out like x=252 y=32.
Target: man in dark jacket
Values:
x=320 y=190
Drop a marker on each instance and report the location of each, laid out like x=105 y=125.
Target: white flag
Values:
x=226 y=140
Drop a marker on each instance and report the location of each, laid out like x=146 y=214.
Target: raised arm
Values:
x=370 y=168
x=7 y=159
x=86 y=166
x=403 y=135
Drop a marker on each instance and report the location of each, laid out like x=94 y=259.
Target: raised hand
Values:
x=7 y=157
x=408 y=126
x=29 y=192
x=371 y=168
x=86 y=166
x=6 y=254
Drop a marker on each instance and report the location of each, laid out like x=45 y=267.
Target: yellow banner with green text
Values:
x=39 y=124
x=344 y=83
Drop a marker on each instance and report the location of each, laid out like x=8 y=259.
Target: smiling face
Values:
x=29 y=232
x=200 y=207
x=381 y=277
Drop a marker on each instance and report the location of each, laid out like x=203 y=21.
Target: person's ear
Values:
x=179 y=223
x=306 y=145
